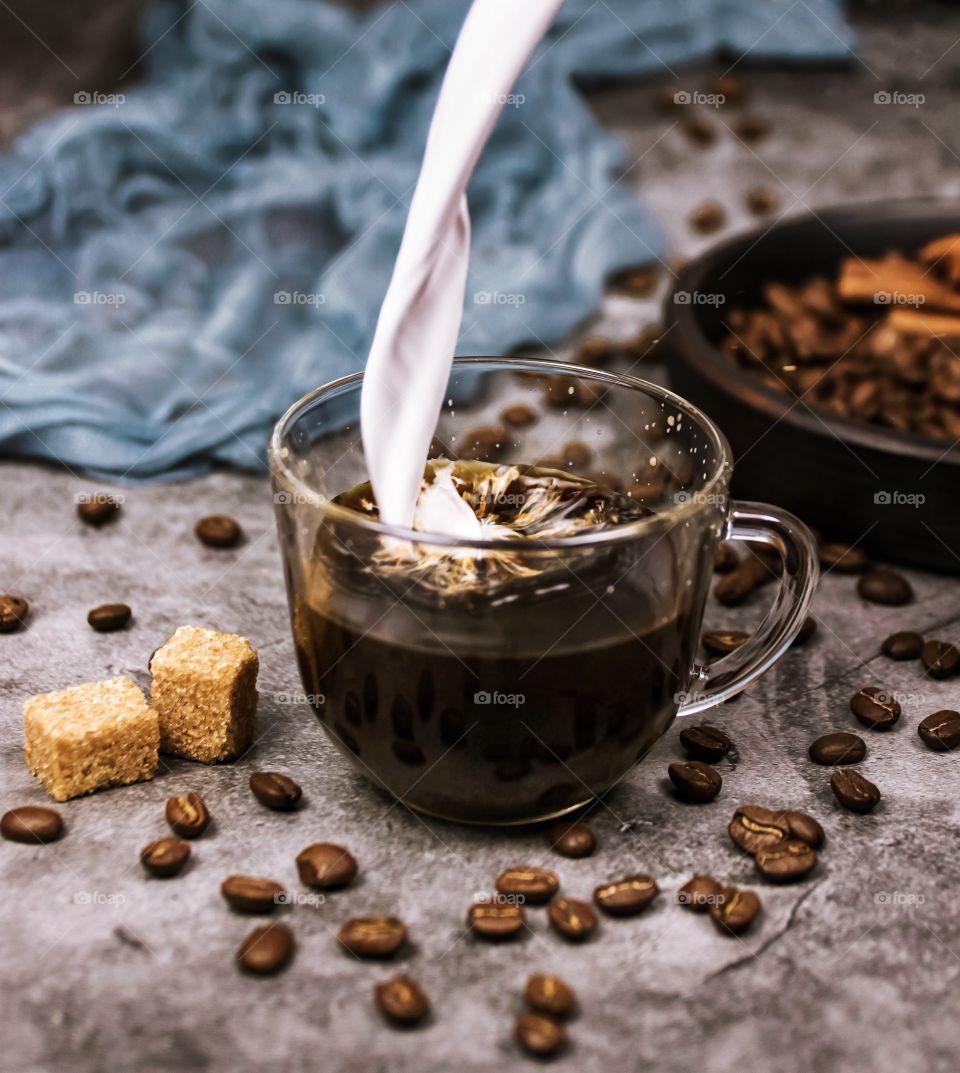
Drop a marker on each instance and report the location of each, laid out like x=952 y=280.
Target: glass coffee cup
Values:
x=509 y=681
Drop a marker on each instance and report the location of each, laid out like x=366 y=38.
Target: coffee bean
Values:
x=165 y=857
x=695 y=781
x=705 y=742
x=731 y=90
x=843 y=559
x=485 y=444
x=576 y=455
x=751 y=128
x=626 y=897
x=941 y=731
x=754 y=828
x=252 y=894
x=535 y=885
x=699 y=893
x=903 y=645
x=885 y=587
x=98 y=508
x=30 y=824
x=218 y=531
x=373 y=937
x=595 y=351
x=853 y=791
x=708 y=218
x=549 y=994
x=109 y=617
x=539 y=1035
x=402 y=1000
x=725 y=558
x=274 y=790
x=747 y=576
x=804 y=828
x=761 y=201
x=940 y=658
x=572 y=919
x=326 y=866
x=187 y=815
x=734 y=910
x=572 y=839
x=518 y=416
x=720 y=642
x=838 y=748
x=786 y=862
x=13 y=611
x=701 y=132
x=638 y=282
x=266 y=950
x=496 y=920
x=807 y=629
x=875 y=708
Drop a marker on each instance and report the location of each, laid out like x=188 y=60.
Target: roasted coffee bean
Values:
x=109 y=617
x=165 y=857
x=638 y=282
x=903 y=645
x=725 y=558
x=705 y=742
x=695 y=781
x=402 y=1000
x=595 y=351
x=252 y=894
x=940 y=658
x=699 y=893
x=751 y=128
x=750 y=573
x=30 y=824
x=487 y=443
x=804 y=828
x=266 y=950
x=885 y=587
x=576 y=455
x=518 y=416
x=843 y=559
x=187 y=815
x=98 y=508
x=496 y=920
x=807 y=629
x=274 y=790
x=701 y=132
x=838 y=748
x=535 y=885
x=572 y=839
x=754 y=828
x=626 y=897
x=549 y=994
x=720 y=642
x=707 y=218
x=761 y=201
x=373 y=937
x=326 y=866
x=875 y=708
x=941 y=731
x=538 y=1035
x=566 y=391
x=218 y=531
x=786 y=862
x=13 y=611
x=572 y=919
x=853 y=791
x=734 y=910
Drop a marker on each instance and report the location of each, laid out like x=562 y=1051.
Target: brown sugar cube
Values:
x=205 y=693
x=90 y=736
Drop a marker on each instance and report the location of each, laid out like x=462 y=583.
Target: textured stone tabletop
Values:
x=854 y=969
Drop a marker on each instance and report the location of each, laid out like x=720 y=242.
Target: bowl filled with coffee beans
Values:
x=827 y=348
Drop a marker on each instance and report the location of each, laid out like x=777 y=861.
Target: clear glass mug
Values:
x=527 y=696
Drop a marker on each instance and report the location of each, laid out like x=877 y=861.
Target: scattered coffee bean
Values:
x=731 y=89
x=842 y=558
x=721 y=642
x=761 y=201
x=549 y=994
x=572 y=839
x=218 y=531
x=98 y=508
x=786 y=862
x=885 y=587
x=13 y=611
x=326 y=866
x=252 y=894
x=734 y=910
x=402 y=1000
x=538 y=1035
x=754 y=828
x=274 y=790
x=941 y=731
x=487 y=443
x=806 y=631
x=373 y=937
x=595 y=351
x=747 y=576
x=496 y=920
x=165 y=857
x=853 y=791
x=804 y=828
x=518 y=416
x=638 y=282
x=30 y=824
x=695 y=781
x=903 y=645
x=187 y=815
x=566 y=391
x=109 y=617
x=708 y=218
x=725 y=558
x=699 y=130
x=576 y=455
x=266 y=950
x=699 y=893
x=751 y=128
x=940 y=658
x=875 y=708
x=535 y=885
x=838 y=748
x=626 y=897
x=572 y=919
x=705 y=742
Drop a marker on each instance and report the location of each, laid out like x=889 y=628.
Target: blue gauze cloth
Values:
x=180 y=266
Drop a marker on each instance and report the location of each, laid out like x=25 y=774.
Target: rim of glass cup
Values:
x=661 y=519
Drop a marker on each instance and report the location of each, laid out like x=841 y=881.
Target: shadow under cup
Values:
x=527 y=694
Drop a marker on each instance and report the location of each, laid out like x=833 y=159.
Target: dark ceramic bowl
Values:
x=896 y=494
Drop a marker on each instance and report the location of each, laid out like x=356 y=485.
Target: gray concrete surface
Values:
x=855 y=969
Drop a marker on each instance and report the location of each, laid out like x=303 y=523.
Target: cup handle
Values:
x=723 y=678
